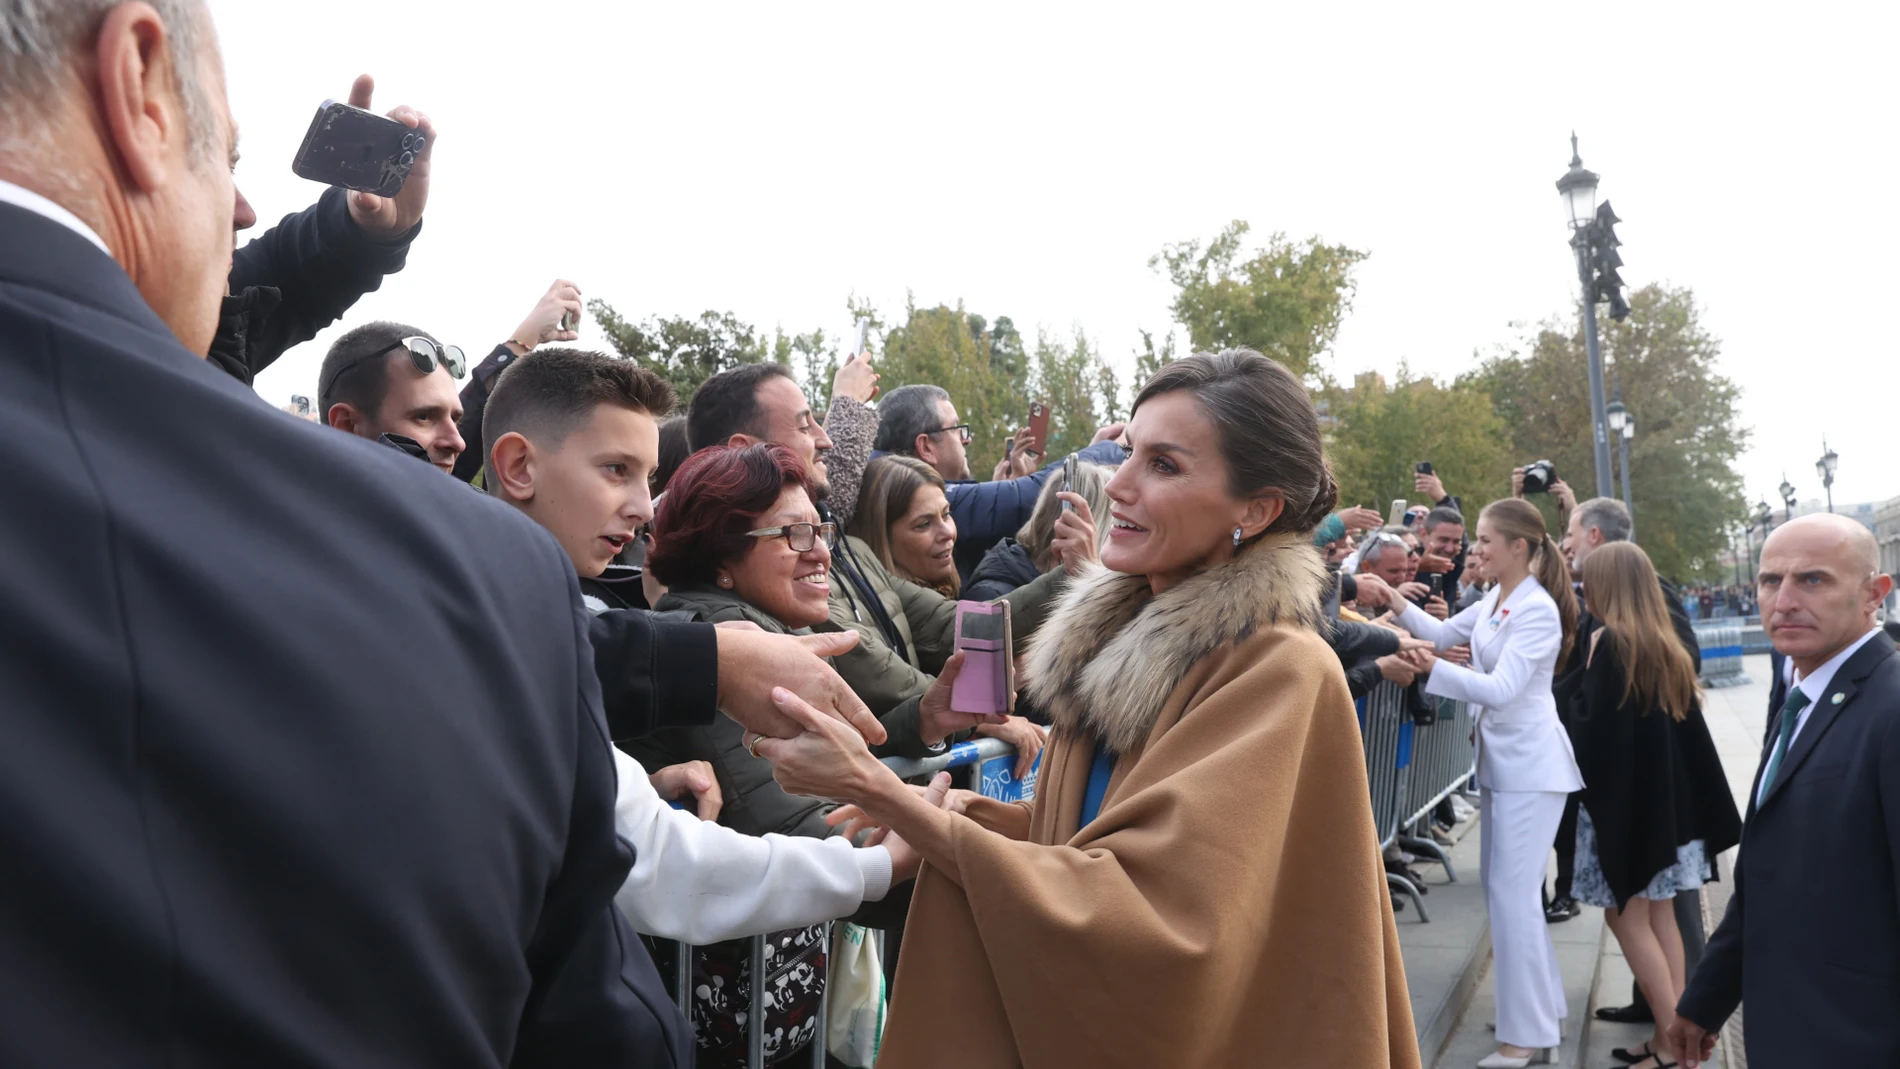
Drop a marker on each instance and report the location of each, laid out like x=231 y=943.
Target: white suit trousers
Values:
x=1518 y=829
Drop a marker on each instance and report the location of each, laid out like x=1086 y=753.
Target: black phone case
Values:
x=355 y=149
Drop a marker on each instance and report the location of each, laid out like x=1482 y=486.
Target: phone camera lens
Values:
x=408 y=158
x=408 y=141
x=420 y=141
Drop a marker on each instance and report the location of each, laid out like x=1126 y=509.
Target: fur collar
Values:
x=1111 y=653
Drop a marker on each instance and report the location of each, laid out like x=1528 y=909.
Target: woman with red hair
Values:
x=738 y=539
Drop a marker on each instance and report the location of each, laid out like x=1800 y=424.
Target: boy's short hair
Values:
x=551 y=393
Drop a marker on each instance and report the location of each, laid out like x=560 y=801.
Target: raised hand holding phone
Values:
x=551 y=317
x=394 y=215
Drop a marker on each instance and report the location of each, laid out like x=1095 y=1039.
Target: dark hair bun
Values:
x=1325 y=500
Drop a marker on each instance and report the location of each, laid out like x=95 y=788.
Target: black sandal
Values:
x=1642 y=1053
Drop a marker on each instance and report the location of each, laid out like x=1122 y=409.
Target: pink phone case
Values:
x=987 y=683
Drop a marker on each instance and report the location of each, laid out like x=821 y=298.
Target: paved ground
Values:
x=1447 y=962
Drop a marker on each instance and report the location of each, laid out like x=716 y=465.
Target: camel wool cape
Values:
x=1226 y=907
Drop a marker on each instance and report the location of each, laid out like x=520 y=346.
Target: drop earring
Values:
x=1236 y=538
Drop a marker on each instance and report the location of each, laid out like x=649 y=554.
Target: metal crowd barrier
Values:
x=1411 y=769
x=995 y=761
x=1721 y=646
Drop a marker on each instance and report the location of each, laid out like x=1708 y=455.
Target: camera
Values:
x=1538 y=475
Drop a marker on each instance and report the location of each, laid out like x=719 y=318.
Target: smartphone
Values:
x=356 y=149
x=987 y=683
x=1396 y=518
x=570 y=320
x=1039 y=423
x=1069 y=464
x=1424 y=467
x=864 y=338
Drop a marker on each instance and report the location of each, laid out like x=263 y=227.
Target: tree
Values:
x=1286 y=300
x=684 y=352
x=1082 y=391
x=813 y=358
x=1150 y=360
x=1683 y=482
x=978 y=364
x=1378 y=432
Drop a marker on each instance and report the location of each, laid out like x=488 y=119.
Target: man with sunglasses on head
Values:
x=388 y=378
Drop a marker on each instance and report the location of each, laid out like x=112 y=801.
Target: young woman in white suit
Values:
x=1518 y=634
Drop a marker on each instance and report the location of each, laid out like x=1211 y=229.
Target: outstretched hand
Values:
x=826 y=759
x=695 y=778
x=391 y=217
x=755 y=664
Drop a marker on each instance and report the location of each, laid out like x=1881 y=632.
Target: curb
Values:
x=1434 y=1037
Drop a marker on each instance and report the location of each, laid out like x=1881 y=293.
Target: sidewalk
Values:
x=1448 y=961
x=1737 y=717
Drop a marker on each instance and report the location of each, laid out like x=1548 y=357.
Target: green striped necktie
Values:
x=1790 y=716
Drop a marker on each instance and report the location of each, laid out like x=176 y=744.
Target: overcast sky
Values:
x=772 y=160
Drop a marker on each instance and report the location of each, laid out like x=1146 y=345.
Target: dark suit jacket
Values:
x=1811 y=941
x=285 y=778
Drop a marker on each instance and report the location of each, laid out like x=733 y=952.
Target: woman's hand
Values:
x=1028 y=738
x=1422 y=660
x=855 y=379
x=695 y=778
x=1361 y=518
x=1408 y=644
x=1459 y=655
x=1074 y=543
x=855 y=820
x=1373 y=593
x=1397 y=669
x=905 y=861
x=936 y=720
x=827 y=759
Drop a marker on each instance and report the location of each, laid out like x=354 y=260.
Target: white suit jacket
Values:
x=1522 y=745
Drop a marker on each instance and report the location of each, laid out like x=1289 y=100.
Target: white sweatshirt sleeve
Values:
x=698 y=882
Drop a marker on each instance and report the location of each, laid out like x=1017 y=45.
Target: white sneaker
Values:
x=1501 y=1060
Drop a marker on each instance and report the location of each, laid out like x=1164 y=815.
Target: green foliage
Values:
x=980 y=365
x=1082 y=391
x=1286 y=300
x=1683 y=482
x=1380 y=431
x=684 y=352
x=813 y=359
x=1150 y=360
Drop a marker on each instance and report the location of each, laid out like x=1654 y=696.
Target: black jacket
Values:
x=296 y=278
x=1651 y=783
x=269 y=793
x=1811 y=940
x=481 y=380
x=1004 y=568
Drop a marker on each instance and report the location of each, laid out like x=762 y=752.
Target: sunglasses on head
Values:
x=423 y=353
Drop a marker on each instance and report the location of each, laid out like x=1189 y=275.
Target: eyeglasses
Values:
x=423 y=353
x=962 y=429
x=801 y=536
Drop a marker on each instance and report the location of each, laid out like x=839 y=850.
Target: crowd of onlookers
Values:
x=1707 y=602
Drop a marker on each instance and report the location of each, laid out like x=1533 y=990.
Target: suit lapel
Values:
x=1828 y=707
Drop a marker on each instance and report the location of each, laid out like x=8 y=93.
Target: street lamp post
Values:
x=1787 y=499
x=1622 y=427
x=1579 y=189
x=1825 y=468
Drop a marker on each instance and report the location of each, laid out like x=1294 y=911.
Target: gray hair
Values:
x=1376 y=543
x=40 y=41
x=1607 y=515
x=1091 y=481
x=905 y=413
